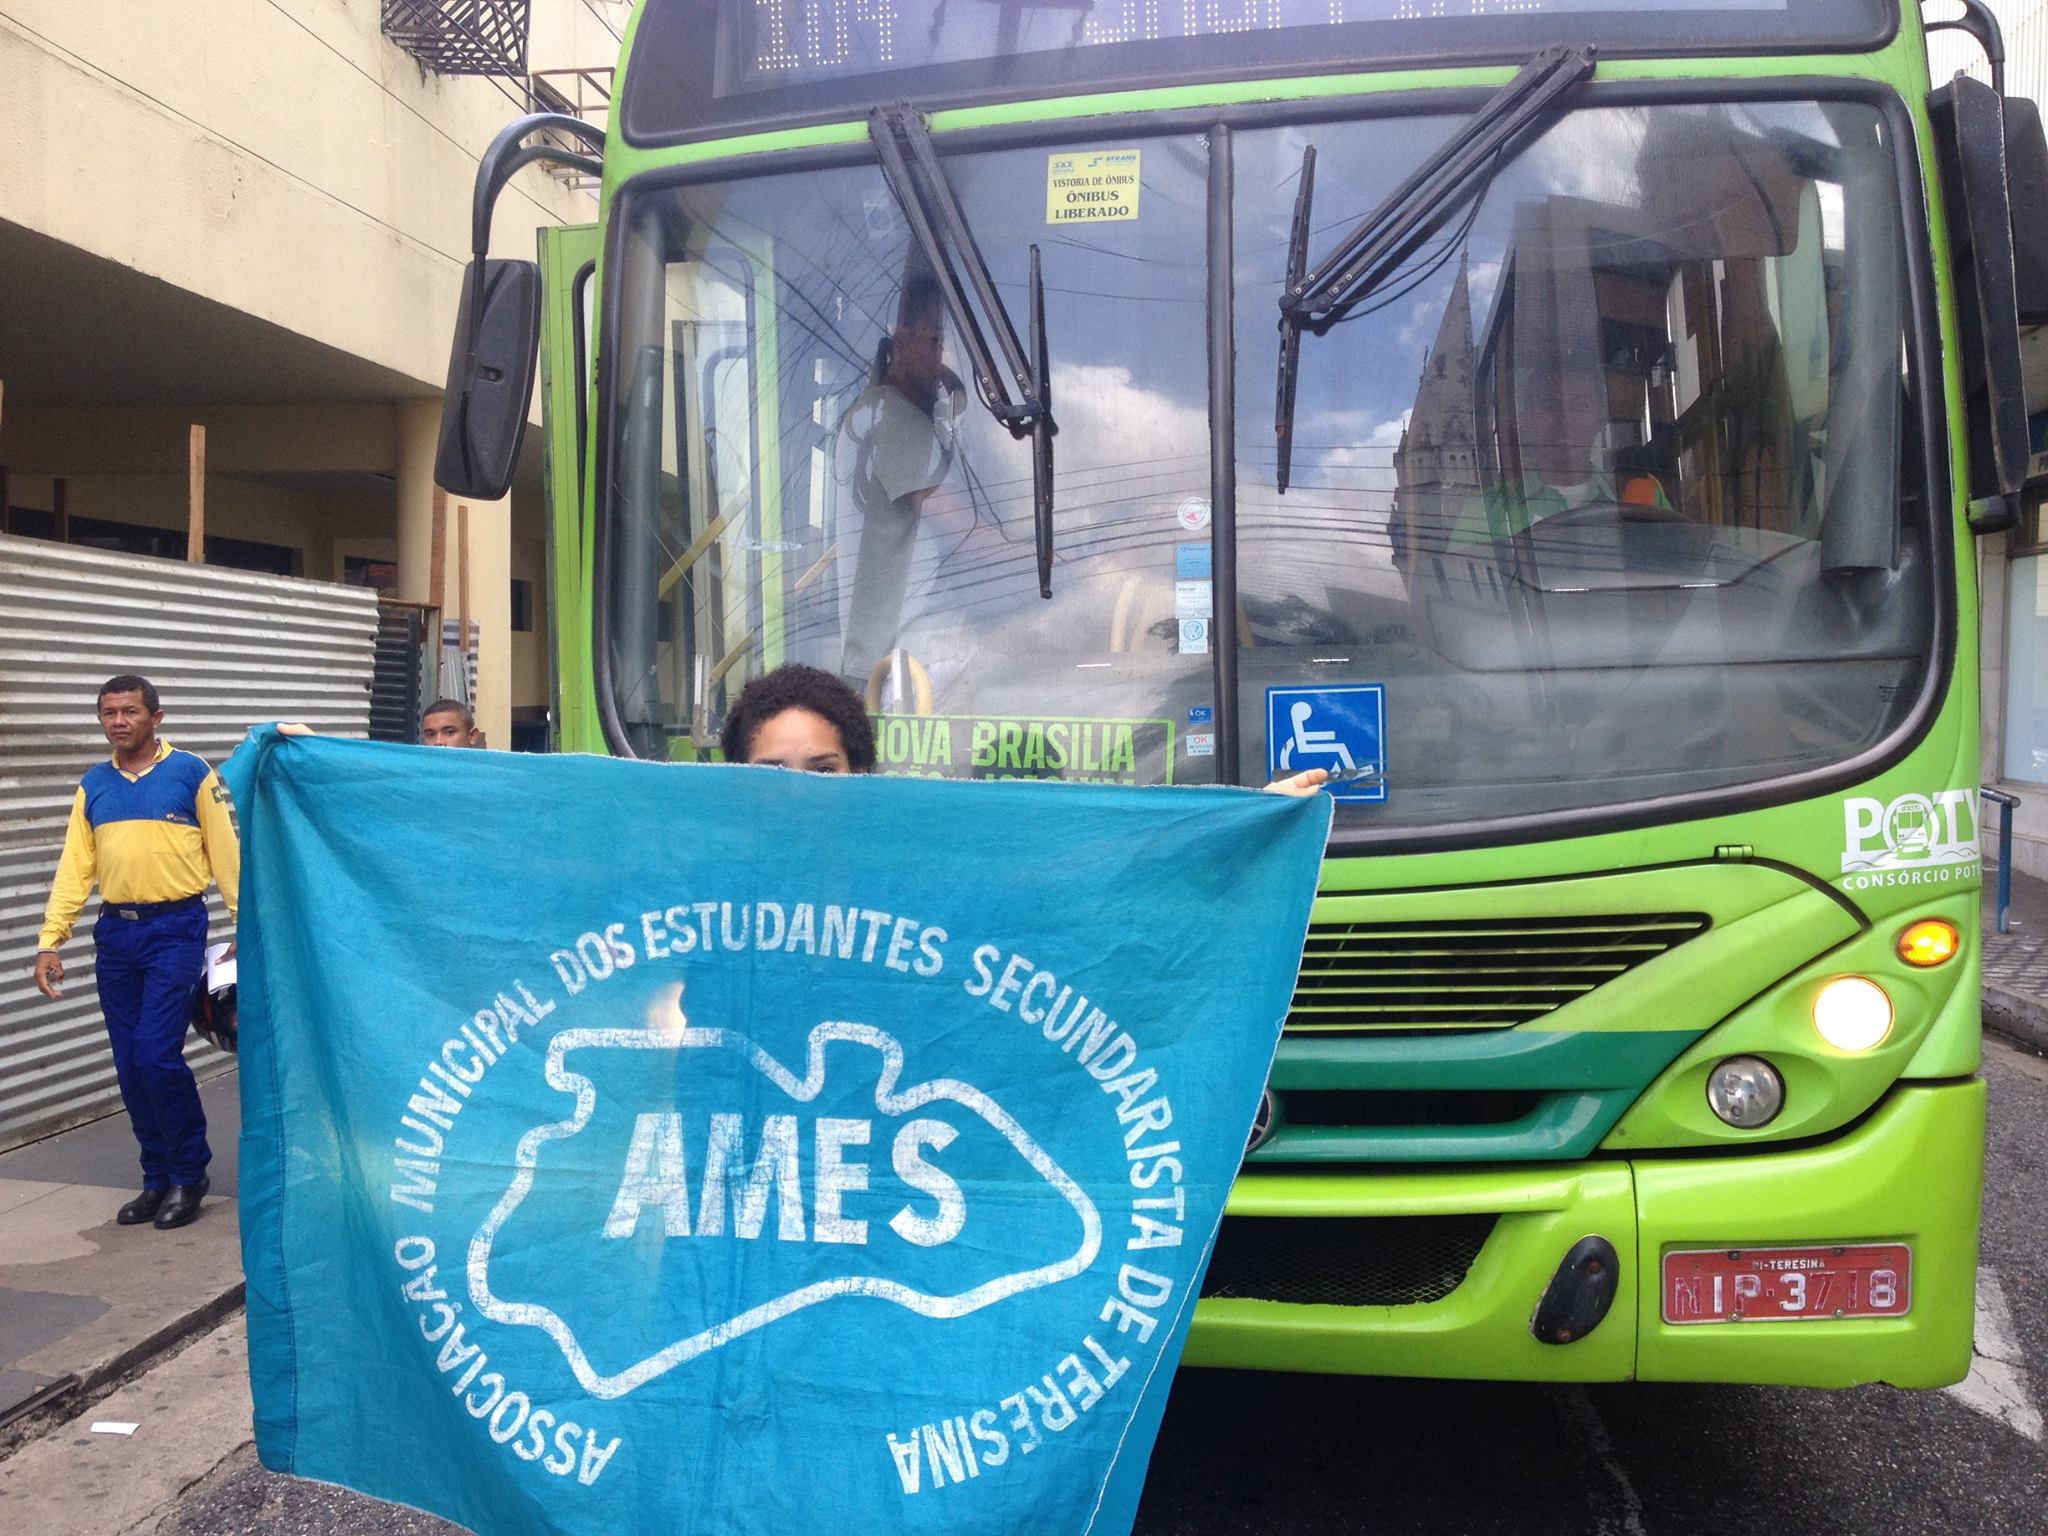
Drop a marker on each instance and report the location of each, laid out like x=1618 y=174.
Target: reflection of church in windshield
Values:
x=1436 y=468
x=1646 y=373
x=1645 y=534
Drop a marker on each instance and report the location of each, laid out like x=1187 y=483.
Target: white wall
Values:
x=277 y=156
x=2024 y=25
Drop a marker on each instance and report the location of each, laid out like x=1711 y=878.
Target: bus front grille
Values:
x=1351 y=1261
x=1489 y=973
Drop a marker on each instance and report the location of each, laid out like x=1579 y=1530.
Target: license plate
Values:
x=1787 y=1285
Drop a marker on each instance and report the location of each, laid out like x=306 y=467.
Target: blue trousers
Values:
x=148 y=967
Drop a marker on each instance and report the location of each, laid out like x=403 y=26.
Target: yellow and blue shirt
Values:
x=154 y=836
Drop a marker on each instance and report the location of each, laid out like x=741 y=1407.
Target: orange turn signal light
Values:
x=1929 y=942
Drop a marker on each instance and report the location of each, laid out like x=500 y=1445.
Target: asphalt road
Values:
x=1263 y=1455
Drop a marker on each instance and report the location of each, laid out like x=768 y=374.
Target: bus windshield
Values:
x=1604 y=490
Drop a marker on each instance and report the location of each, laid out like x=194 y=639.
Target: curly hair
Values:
x=796 y=686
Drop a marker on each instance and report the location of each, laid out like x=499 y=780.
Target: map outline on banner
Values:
x=683 y=1036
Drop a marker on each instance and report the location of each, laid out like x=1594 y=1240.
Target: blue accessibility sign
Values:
x=1342 y=728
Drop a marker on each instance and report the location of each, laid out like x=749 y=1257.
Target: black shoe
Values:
x=141 y=1208
x=182 y=1207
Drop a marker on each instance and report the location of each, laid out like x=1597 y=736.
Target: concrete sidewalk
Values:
x=185 y=1465
x=184 y=1418
x=2016 y=962
x=83 y=1301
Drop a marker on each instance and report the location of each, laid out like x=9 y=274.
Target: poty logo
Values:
x=1911 y=831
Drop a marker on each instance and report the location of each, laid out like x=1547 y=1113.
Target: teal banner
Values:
x=633 y=1147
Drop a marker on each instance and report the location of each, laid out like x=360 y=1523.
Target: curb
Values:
x=77 y=1392
x=2021 y=1018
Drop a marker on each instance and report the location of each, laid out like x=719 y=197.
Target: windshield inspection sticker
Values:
x=1194 y=599
x=1342 y=729
x=1912 y=839
x=1092 y=186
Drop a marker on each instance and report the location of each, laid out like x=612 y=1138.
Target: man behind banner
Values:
x=151 y=826
x=449 y=723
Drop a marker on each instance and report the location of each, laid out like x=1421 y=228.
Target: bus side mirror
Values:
x=2026 y=174
x=490 y=379
x=1970 y=134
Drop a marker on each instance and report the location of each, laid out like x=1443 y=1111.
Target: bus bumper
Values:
x=1911 y=1172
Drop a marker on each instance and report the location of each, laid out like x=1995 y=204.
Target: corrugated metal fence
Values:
x=225 y=649
x=404 y=671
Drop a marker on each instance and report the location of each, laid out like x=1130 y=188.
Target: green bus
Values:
x=1568 y=422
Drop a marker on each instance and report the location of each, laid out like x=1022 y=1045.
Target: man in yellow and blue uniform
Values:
x=151 y=827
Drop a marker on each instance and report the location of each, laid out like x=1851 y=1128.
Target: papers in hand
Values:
x=220 y=971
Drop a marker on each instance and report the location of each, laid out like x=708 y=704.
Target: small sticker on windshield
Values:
x=1201 y=743
x=1194 y=637
x=1092 y=186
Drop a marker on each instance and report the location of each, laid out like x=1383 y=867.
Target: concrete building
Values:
x=252 y=216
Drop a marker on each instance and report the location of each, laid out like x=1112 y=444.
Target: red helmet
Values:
x=213 y=1016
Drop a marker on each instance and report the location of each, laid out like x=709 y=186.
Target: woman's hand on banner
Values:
x=1300 y=785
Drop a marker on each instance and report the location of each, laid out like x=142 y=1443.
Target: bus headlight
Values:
x=1746 y=1091
x=1852 y=1013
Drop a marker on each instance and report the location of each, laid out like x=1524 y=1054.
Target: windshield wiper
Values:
x=911 y=167
x=1319 y=296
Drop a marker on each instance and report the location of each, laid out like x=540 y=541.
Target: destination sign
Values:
x=778 y=43
x=704 y=67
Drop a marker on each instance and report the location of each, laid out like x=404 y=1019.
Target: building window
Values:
x=159 y=543
x=362 y=571
x=522 y=606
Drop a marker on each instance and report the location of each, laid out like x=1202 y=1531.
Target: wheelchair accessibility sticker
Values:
x=1341 y=728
